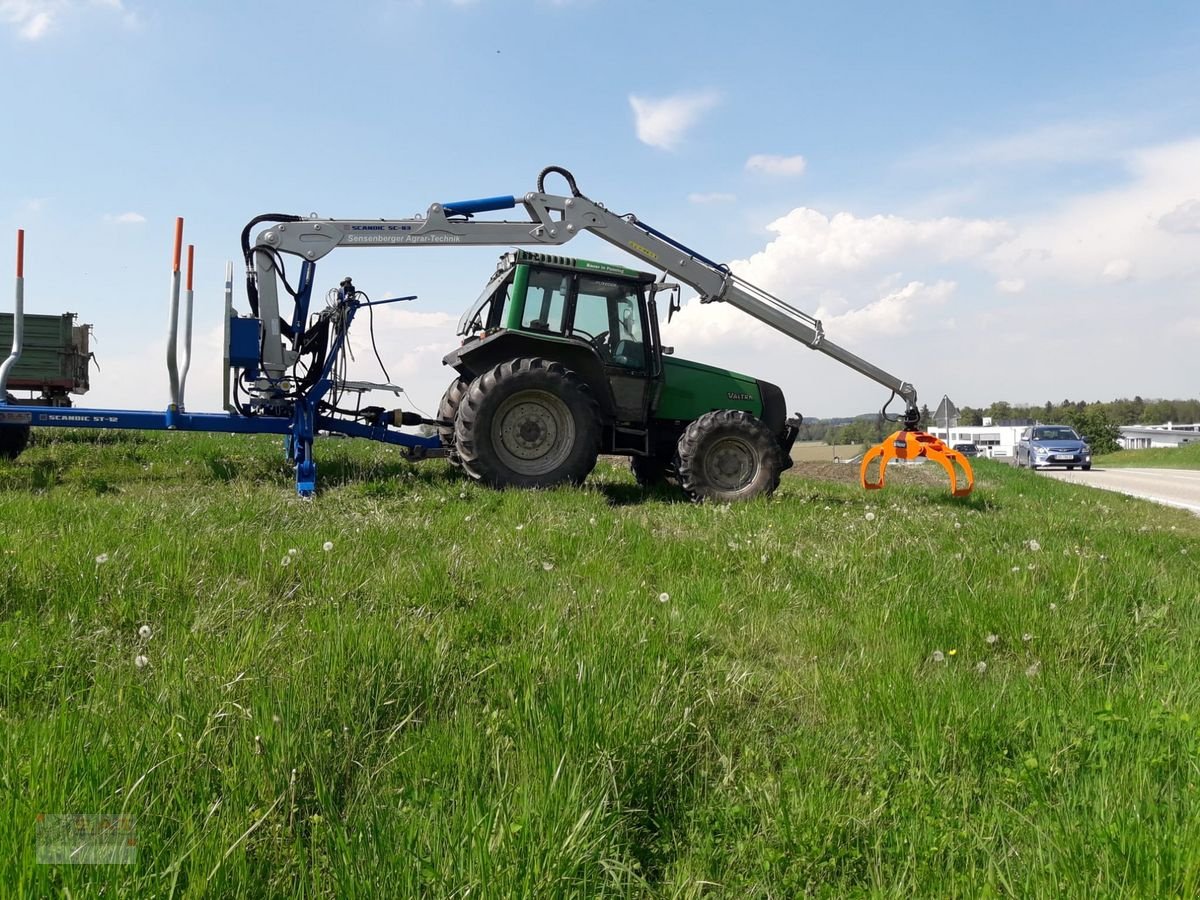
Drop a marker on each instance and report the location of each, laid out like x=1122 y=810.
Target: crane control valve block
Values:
x=911 y=445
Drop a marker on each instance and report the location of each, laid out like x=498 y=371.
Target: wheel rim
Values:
x=730 y=464
x=533 y=432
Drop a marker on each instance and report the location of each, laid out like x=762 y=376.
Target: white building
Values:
x=998 y=441
x=1140 y=437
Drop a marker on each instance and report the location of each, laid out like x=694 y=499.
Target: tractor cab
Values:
x=601 y=305
x=596 y=318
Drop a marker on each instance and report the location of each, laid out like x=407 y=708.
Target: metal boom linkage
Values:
x=553 y=220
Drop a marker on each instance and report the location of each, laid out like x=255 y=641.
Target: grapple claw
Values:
x=912 y=445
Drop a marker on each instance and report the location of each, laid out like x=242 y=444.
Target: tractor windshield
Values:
x=484 y=313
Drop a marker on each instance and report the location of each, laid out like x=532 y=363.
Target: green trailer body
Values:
x=54 y=359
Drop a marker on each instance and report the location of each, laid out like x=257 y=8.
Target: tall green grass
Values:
x=1184 y=457
x=590 y=692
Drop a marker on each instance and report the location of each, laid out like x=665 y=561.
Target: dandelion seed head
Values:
x=1034 y=668
x=980 y=667
x=144 y=632
x=870 y=516
x=462 y=495
x=938 y=656
x=664 y=597
x=1027 y=637
x=1016 y=568
x=548 y=566
x=1033 y=545
x=140 y=661
x=291 y=551
x=327 y=546
x=286 y=561
x=1053 y=607
x=102 y=559
x=992 y=638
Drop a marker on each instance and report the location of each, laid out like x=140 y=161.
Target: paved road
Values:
x=1174 y=487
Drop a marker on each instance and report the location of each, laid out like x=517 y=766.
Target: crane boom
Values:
x=553 y=220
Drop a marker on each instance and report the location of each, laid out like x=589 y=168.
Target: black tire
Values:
x=649 y=471
x=13 y=438
x=728 y=455
x=1070 y=468
x=528 y=423
x=447 y=410
x=1087 y=467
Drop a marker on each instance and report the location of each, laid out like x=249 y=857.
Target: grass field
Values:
x=819 y=451
x=590 y=692
x=1185 y=457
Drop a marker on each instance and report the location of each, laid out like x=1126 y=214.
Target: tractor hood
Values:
x=691 y=389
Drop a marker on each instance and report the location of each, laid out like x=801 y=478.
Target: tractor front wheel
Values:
x=447 y=410
x=13 y=438
x=728 y=455
x=528 y=423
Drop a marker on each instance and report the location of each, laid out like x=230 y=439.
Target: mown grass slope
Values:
x=1185 y=457
x=590 y=692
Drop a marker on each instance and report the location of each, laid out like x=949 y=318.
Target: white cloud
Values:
x=1142 y=225
x=34 y=19
x=891 y=315
x=1010 y=285
x=664 y=122
x=125 y=218
x=1118 y=270
x=808 y=241
x=713 y=197
x=1183 y=219
x=768 y=164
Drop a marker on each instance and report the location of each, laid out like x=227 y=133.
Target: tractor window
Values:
x=591 y=310
x=481 y=315
x=608 y=312
x=545 y=300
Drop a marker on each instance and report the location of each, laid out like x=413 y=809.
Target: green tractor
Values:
x=561 y=360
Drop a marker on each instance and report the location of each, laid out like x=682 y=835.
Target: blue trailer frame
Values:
x=299 y=427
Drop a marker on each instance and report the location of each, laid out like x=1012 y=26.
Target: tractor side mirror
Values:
x=668 y=351
x=672 y=301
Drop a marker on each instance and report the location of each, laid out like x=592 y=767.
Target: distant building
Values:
x=1141 y=437
x=998 y=441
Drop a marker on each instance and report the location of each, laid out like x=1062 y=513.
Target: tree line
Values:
x=1097 y=421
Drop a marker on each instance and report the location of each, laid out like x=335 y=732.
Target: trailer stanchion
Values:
x=187 y=327
x=18 y=317
x=173 y=327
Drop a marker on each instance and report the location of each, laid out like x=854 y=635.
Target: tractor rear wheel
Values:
x=528 y=423
x=447 y=410
x=728 y=455
x=13 y=438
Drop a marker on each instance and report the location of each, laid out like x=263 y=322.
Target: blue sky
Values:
x=993 y=202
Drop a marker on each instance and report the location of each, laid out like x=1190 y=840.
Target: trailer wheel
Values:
x=728 y=455
x=649 y=471
x=447 y=410
x=13 y=438
x=528 y=423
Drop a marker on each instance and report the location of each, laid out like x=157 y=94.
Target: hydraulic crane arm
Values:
x=553 y=220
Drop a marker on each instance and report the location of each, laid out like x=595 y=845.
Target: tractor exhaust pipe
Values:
x=18 y=318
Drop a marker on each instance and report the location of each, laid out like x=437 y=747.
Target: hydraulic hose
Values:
x=251 y=285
